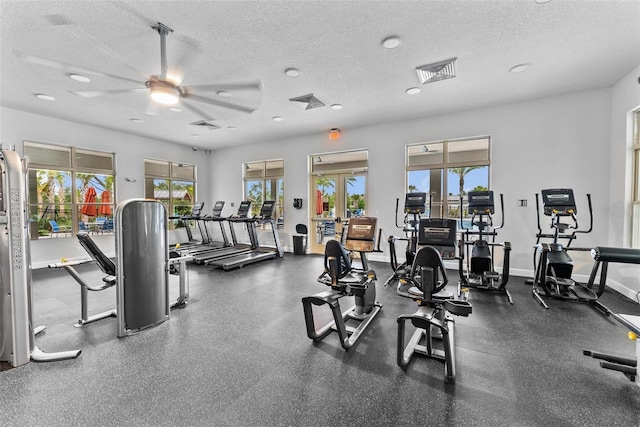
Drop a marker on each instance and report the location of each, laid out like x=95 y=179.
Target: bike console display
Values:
x=361 y=234
x=559 y=201
x=440 y=233
x=414 y=203
x=481 y=202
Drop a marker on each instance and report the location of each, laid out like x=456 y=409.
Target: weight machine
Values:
x=17 y=333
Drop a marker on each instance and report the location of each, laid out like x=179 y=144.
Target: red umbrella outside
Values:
x=89 y=197
x=105 y=207
x=318 y=202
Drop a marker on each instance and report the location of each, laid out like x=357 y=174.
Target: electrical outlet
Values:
x=232 y=204
x=522 y=203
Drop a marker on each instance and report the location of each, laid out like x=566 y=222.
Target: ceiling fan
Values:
x=164 y=89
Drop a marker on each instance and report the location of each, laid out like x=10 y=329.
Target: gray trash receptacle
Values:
x=298 y=245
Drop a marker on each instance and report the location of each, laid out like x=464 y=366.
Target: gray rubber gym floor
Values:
x=238 y=354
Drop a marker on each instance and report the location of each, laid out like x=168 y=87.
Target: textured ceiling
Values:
x=336 y=45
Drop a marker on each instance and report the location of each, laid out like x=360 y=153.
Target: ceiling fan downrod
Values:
x=163 y=30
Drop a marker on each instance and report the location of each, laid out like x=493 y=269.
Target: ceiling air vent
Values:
x=307 y=102
x=437 y=71
x=206 y=124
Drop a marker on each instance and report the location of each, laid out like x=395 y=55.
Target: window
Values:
x=635 y=228
x=264 y=180
x=446 y=170
x=70 y=190
x=173 y=184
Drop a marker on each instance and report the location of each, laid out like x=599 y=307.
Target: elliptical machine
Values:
x=480 y=271
x=414 y=206
x=552 y=264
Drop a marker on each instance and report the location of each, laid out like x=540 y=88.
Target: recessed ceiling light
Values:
x=80 y=78
x=231 y=127
x=336 y=107
x=195 y=135
x=543 y=1
x=292 y=72
x=413 y=90
x=45 y=97
x=278 y=119
x=175 y=109
x=391 y=42
x=224 y=94
x=519 y=68
x=134 y=120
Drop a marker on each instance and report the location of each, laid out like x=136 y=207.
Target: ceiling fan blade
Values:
x=185 y=59
x=69 y=67
x=77 y=32
x=199 y=112
x=96 y=93
x=227 y=86
x=218 y=103
x=131 y=11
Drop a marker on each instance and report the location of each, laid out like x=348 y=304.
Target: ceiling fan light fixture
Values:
x=164 y=92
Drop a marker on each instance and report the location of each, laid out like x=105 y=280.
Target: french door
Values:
x=335 y=199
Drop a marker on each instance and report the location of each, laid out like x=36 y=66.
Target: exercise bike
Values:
x=553 y=266
x=346 y=280
x=414 y=206
x=480 y=271
x=426 y=285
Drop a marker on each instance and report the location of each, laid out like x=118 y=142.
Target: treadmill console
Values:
x=217 y=209
x=414 y=203
x=481 y=202
x=243 y=209
x=197 y=209
x=266 y=211
x=559 y=201
x=439 y=233
x=361 y=234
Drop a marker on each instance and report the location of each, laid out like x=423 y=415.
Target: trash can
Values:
x=299 y=242
x=298 y=245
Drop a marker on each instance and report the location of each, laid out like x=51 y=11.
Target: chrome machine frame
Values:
x=17 y=334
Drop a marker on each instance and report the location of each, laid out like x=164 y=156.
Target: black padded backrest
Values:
x=428 y=256
x=334 y=250
x=103 y=261
x=301 y=229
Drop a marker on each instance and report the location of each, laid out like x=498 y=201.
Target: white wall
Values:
x=18 y=126
x=625 y=98
x=562 y=141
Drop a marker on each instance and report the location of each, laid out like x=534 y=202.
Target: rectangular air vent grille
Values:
x=207 y=124
x=437 y=71
x=307 y=102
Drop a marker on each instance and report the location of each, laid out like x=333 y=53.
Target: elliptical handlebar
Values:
x=501 y=213
x=590 y=218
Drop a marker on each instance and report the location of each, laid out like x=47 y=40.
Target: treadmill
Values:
x=194 y=216
x=212 y=253
x=216 y=216
x=257 y=253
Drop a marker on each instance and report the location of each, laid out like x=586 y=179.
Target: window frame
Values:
x=171 y=179
x=635 y=187
x=445 y=165
x=74 y=169
x=266 y=179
